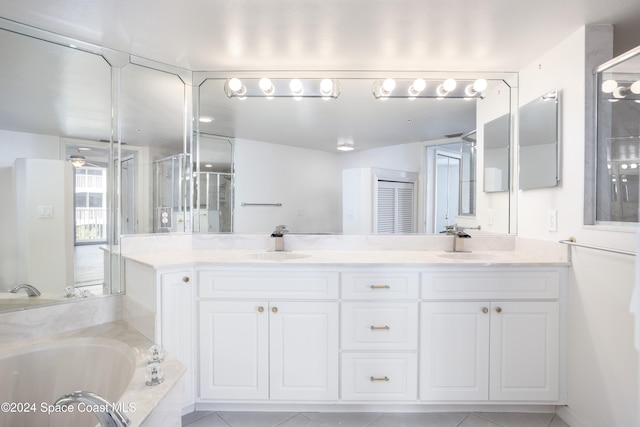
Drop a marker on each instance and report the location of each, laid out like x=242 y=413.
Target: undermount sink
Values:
x=278 y=256
x=468 y=256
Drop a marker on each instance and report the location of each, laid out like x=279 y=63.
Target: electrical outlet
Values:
x=552 y=220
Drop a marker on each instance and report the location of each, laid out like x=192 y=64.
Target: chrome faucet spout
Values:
x=31 y=290
x=108 y=414
x=278 y=235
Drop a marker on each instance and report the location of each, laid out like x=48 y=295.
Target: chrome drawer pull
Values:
x=380 y=287
x=379 y=379
x=380 y=328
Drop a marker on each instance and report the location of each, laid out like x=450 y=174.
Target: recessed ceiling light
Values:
x=205 y=119
x=84 y=149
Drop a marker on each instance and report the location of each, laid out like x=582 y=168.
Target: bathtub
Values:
x=33 y=377
x=108 y=359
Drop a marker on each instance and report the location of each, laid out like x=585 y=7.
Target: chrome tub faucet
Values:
x=111 y=416
x=31 y=290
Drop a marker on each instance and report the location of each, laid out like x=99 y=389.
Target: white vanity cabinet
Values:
x=349 y=334
x=491 y=335
x=162 y=307
x=175 y=324
x=379 y=336
x=268 y=335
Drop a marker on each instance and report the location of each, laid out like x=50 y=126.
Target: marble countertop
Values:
x=347 y=258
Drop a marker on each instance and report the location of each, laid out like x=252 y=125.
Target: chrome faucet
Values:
x=459 y=235
x=278 y=235
x=31 y=290
x=109 y=415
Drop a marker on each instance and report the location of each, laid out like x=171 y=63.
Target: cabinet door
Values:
x=176 y=325
x=234 y=350
x=454 y=351
x=525 y=351
x=304 y=350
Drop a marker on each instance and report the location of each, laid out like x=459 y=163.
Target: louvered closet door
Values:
x=395 y=207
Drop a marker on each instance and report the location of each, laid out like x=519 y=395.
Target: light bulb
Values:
x=480 y=85
x=417 y=86
x=440 y=90
x=620 y=92
x=266 y=85
x=449 y=85
x=608 y=86
x=635 y=87
x=296 y=86
x=470 y=91
x=326 y=87
x=235 y=84
x=388 y=85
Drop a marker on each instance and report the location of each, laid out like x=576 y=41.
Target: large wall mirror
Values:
x=289 y=168
x=137 y=147
x=618 y=148
x=55 y=107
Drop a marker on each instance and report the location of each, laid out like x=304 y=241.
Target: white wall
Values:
x=603 y=370
x=44 y=243
x=14 y=145
x=306 y=182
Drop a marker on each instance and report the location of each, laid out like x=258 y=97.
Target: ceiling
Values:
x=494 y=35
x=338 y=35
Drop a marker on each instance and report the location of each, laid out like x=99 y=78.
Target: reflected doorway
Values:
x=447 y=184
x=90 y=215
x=129 y=221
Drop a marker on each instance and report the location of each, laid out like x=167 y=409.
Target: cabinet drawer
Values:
x=495 y=284
x=380 y=285
x=379 y=325
x=385 y=376
x=263 y=284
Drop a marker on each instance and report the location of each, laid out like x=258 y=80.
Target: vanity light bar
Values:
x=423 y=88
x=613 y=90
x=282 y=88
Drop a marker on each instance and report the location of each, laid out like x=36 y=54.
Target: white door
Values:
x=454 y=351
x=234 y=345
x=304 y=350
x=525 y=351
x=176 y=325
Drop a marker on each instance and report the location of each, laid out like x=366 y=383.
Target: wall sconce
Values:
x=422 y=88
x=282 y=88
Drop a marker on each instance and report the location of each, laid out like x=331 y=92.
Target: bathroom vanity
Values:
x=356 y=327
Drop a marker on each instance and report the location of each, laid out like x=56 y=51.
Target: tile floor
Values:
x=370 y=419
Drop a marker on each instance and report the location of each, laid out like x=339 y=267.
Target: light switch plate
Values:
x=45 y=211
x=552 y=220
